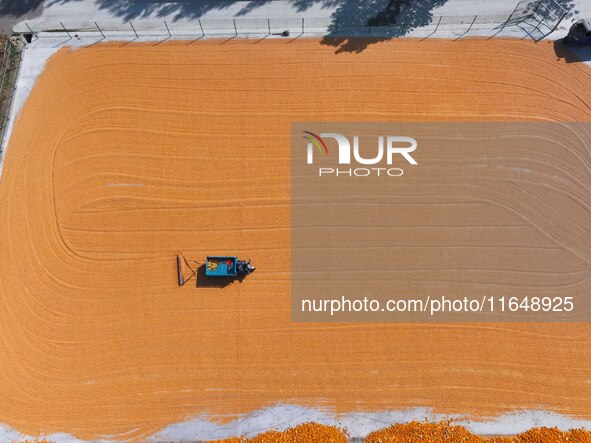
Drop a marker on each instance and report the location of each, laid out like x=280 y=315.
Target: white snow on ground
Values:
x=358 y=424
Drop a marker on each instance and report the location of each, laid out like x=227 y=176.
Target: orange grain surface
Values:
x=413 y=432
x=306 y=432
x=445 y=432
x=123 y=156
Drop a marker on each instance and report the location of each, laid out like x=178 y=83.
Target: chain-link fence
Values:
x=181 y=29
x=9 y=65
x=537 y=18
x=258 y=28
x=530 y=17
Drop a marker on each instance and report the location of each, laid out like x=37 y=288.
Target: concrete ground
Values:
x=336 y=20
x=142 y=12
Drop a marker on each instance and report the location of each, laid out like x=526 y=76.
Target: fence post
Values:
x=559 y=21
x=100 y=30
x=510 y=16
x=235 y=28
x=201 y=26
x=134 y=31
x=403 y=29
x=34 y=33
x=66 y=30
x=436 y=28
x=168 y=30
x=269 y=25
x=467 y=30
x=303 y=27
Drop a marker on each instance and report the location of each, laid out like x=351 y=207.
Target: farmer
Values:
x=244 y=267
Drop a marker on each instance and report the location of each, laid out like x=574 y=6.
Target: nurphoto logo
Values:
x=389 y=148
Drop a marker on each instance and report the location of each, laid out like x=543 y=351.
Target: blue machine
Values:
x=220 y=266
x=215 y=266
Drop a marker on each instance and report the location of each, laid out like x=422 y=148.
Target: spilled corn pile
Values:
x=414 y=432
x=307 y=432
x=553 y=435
x=445 y=432
x=423 y=432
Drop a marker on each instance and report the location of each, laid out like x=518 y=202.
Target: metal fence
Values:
x=535 y=18
x=9 y=66
x=538 y=18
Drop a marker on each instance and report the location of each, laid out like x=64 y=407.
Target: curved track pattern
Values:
x=124 y=156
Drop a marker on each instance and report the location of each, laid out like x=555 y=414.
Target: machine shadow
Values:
x=214 y=282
